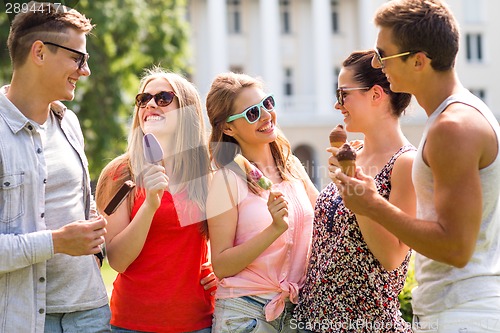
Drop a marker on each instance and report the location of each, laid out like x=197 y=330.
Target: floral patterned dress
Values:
x=347 y=289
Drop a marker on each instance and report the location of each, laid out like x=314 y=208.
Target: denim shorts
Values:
x=479 y=316
x=88 y=321
x=246 y=315
x=116 y=329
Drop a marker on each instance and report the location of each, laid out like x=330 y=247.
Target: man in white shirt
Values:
x=456 y=173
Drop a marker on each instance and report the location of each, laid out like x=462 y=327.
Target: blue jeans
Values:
x=89 y=321
x=116 y=329
x=246 y=315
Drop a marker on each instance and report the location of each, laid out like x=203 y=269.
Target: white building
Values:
x=297 y=47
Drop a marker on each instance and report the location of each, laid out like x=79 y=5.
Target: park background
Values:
x=295 y=46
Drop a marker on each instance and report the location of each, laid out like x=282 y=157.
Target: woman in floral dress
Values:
x=357 y=268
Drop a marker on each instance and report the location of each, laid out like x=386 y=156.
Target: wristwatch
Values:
x=100 y=256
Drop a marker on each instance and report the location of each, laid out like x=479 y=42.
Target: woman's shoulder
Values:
x=228 y=179
x=227 y=175
x=404 y=157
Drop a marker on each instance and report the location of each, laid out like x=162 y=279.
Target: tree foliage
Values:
x=128 y=37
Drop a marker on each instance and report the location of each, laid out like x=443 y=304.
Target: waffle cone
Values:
x=336 y=144
x=348 y=167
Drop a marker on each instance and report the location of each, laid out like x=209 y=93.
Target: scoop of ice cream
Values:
x=346 y=152
x=347 y=159
x=338 y=136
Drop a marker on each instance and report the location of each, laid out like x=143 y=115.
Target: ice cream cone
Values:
x=338 y=136
x=348 y=167
x=346 y=156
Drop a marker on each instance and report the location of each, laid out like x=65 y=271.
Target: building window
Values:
x=288 y=82
x=285 y=16
x=335 y=16
x=479 y=93
x=474 y=47
x=305 y=154
x=234 y=16
x=474 y=11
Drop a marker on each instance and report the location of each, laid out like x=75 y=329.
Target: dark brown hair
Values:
x=422 y=25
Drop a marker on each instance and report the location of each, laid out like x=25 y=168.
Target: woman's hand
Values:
x=155 y=183
x=208 y=279
x=278 y=207
x=357 y=144
x=333 y=163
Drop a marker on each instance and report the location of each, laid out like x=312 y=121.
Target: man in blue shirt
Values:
x=49 y=228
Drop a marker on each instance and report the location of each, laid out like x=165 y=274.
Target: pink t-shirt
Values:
x=279 y=271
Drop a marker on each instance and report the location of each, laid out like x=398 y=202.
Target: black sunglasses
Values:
x=82 y=60
x=162 y=99
x=341 y=94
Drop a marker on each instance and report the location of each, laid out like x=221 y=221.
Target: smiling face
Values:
x=356 y=102
x=397 y=70
x=161 y=121
x=260 y=132
x=62 y=72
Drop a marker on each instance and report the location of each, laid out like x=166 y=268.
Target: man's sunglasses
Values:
x=252 y=113
x=162 y=99
x=341 y=95
x=82 y=60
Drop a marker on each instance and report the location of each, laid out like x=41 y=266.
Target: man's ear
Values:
x=37 y=52
x=421 y=60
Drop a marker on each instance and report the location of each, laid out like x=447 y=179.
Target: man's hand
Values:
x=359 y=193
x=80 y=237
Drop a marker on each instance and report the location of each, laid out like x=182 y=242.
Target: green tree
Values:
x=5 y=69
x=129 y=36
x=405 y=294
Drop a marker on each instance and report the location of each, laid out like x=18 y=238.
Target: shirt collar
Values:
x=15 y=119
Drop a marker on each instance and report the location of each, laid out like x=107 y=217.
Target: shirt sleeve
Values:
x=22 y=250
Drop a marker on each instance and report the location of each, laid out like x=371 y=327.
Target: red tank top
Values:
x=161 y=291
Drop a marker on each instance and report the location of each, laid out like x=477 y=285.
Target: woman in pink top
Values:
x=260 y=238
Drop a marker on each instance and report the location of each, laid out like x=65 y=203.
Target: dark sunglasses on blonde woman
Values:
x=162 y=99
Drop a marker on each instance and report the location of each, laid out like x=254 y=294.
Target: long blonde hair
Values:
x=190 y=164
